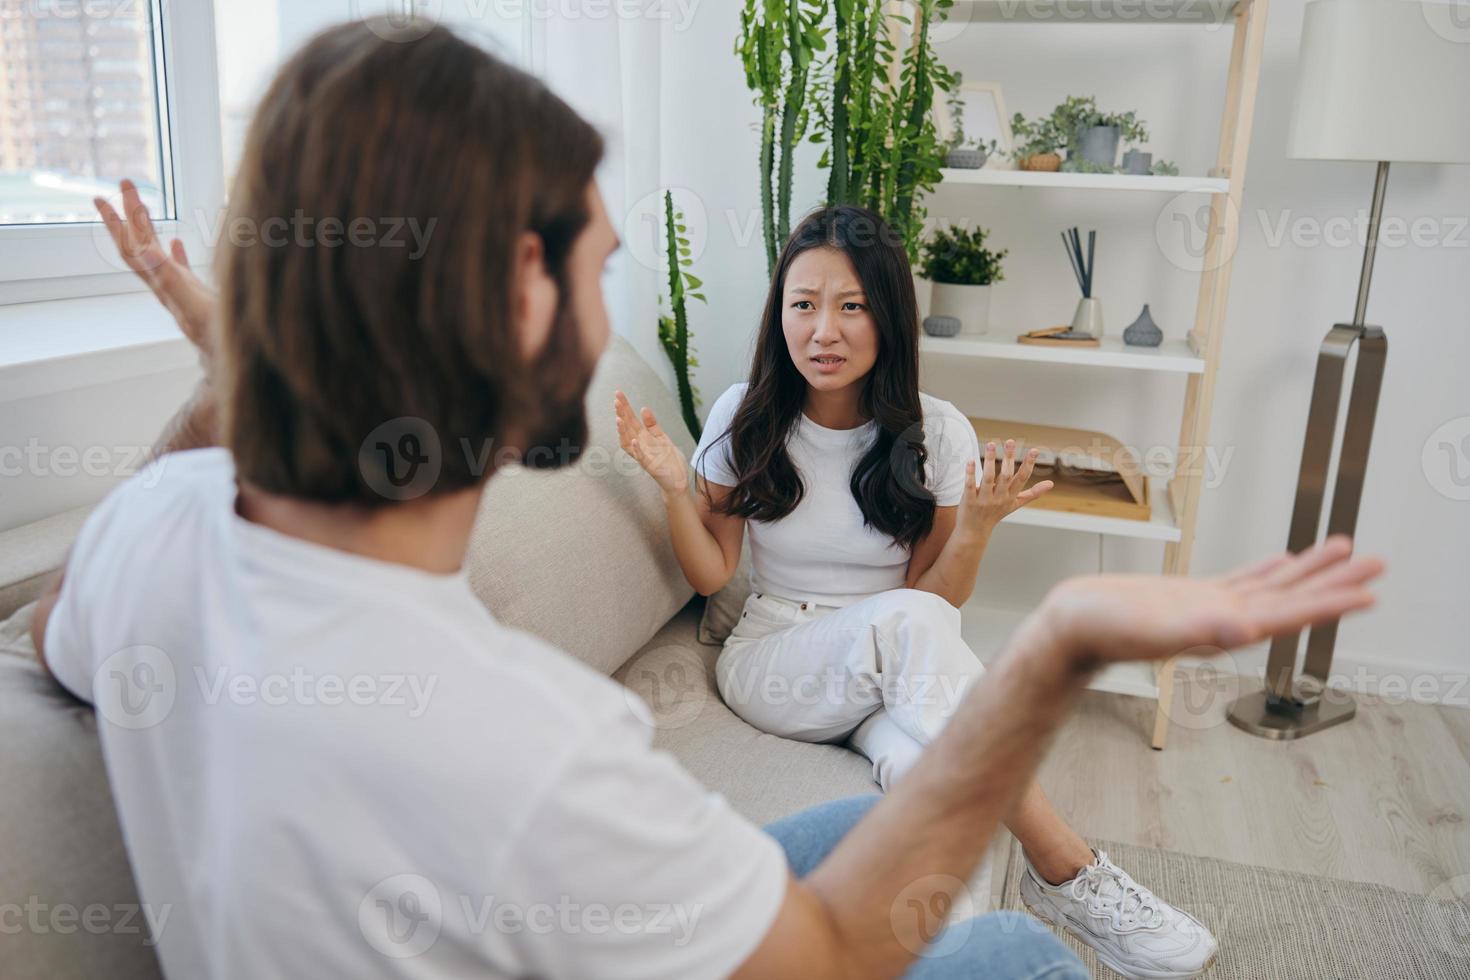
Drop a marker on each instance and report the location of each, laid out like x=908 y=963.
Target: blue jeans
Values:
x=998 y=946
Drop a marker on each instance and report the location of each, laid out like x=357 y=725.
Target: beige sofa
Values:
x=579 y=556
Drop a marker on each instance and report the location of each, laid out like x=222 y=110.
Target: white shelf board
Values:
x=987 y=628
x=1113 y=182
x=1171 y=355
x=1160 y=527
x=1182 y=12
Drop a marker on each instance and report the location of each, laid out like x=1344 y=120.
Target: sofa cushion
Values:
x=64 y=858
x=581 y=556
x=30 y=553
x=763 y=776
x=722 y=610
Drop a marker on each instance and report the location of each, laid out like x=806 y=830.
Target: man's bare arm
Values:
x=868 y=910
x=191 y=302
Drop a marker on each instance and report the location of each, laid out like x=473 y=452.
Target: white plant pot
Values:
x=968 y=304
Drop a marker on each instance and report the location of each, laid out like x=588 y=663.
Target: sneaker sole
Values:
x=1131 y=972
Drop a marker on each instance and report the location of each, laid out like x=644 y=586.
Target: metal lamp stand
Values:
x=1290 y=707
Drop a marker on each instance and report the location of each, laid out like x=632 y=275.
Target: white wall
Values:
x=1285 y=294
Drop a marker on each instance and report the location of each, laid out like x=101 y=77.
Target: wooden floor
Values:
x=1383 y=798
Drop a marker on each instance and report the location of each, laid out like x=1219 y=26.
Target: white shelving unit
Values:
x=1160 y=527
x=1195 y=358
x=1171 y=355
x=1099 y=182
x=1197 y=13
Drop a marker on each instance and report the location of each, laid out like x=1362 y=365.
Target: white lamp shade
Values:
x=1383 y=80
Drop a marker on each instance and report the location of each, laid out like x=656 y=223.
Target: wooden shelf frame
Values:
x=1225 y=187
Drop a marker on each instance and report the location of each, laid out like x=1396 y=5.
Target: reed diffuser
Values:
x=1088 y=319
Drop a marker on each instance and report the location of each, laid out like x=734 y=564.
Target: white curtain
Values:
x=610 y=70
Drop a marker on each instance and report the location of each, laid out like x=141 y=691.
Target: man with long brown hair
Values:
x=322 y=540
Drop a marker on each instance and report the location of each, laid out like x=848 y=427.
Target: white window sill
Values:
x=67 y=344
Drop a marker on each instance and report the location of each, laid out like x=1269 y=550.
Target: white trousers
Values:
x=883 y=674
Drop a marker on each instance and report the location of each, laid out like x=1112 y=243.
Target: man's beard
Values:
x=560 y=376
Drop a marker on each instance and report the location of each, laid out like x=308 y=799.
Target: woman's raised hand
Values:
x=166 y=271
x=999 y=491
x=645 y=440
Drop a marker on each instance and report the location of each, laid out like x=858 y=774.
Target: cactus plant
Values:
x=673 y=328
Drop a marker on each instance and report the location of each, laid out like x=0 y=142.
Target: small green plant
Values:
x=1164 y=168
x=1078 y=165
x=1077 y=114
x=954 y=255
x=673 y=330
x=1034 y=136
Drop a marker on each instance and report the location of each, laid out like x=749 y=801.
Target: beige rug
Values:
x=1281 y=925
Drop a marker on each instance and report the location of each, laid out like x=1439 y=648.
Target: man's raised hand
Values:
x=166 y=271
x=1146 y=617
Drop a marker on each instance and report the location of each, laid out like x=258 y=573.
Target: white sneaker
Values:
x=1134 y=932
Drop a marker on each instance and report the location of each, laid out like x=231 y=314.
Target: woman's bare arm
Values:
x=706 y=541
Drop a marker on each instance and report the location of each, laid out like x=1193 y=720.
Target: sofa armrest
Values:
x=31 y=552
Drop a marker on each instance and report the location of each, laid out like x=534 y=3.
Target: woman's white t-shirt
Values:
x=822 y=551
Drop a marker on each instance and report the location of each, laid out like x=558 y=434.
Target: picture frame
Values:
x=983 y=117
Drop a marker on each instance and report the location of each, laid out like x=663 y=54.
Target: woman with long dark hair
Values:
x=868 y=505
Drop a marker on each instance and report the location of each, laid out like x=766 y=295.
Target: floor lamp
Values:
x=1382 y=81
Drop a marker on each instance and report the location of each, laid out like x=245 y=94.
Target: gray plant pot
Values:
x=965 y=159
x=941 y=326
x=1099 y=145
x=1135 y=161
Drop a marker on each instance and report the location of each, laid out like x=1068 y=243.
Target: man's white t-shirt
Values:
x=822 y=551
x=327 y=765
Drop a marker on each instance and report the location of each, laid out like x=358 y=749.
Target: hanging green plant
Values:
x=673 y=329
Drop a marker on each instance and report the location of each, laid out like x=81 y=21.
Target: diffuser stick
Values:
x=1091 y=241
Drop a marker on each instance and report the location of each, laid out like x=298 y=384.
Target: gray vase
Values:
x=1143 y=332
x=1135 y=161
x=941 y=326
x=965 y=159
x=1099 y=145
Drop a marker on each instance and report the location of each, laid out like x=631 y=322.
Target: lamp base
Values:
x=1261 y=715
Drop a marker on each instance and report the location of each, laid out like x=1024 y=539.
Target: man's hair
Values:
x=368 y=271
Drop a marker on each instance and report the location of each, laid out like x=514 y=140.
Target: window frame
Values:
x=65 y=260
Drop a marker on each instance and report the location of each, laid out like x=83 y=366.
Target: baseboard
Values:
x=1394 y=682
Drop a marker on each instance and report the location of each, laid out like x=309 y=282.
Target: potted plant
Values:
x=1091 y=136
x=1037 y=143
x=962 y=153
x=962 y=270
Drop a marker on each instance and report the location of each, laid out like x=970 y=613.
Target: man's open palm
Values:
x=166 y=271
x=1144 y=617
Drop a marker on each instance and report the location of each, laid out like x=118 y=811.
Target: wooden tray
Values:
x=1094 y=473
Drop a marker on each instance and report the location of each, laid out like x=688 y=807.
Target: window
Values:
x=79 y=107
x=92 y=91
x=159 y=91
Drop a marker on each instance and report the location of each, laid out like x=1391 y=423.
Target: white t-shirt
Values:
x=822 y=551
x=327 y=765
